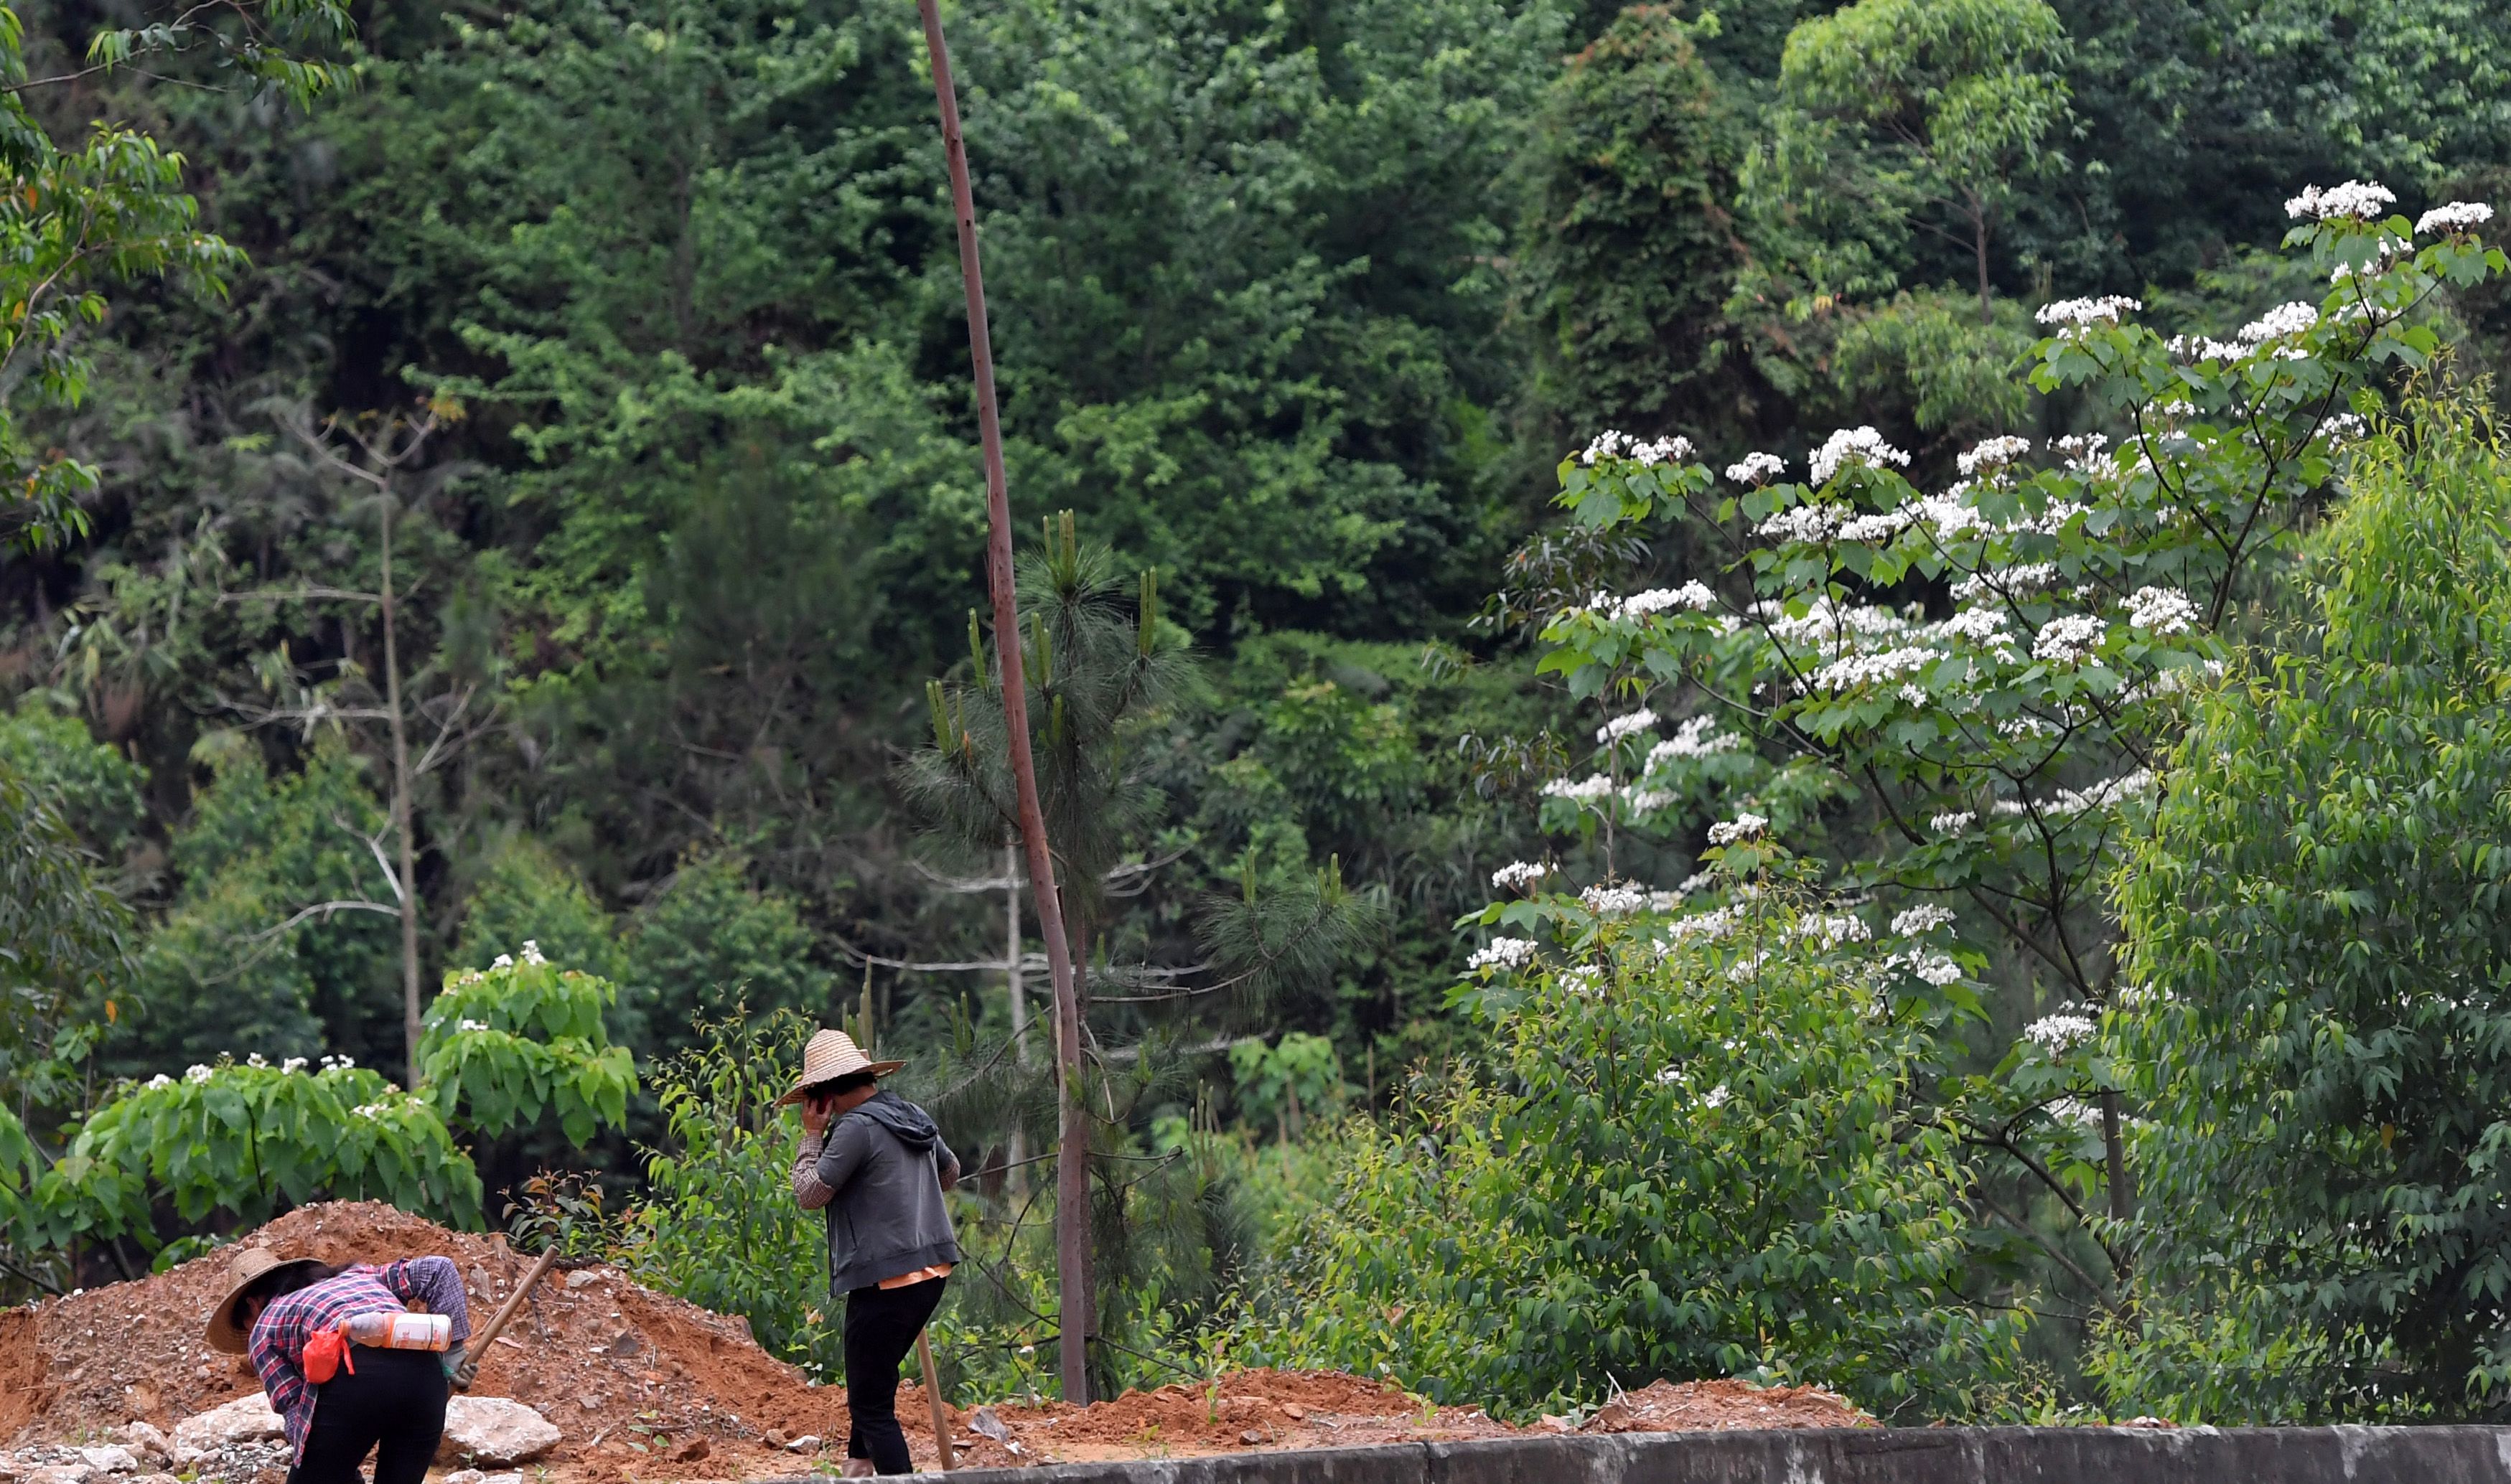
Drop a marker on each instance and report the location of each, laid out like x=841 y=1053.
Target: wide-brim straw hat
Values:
x=830 y=1055
x=253 y=1263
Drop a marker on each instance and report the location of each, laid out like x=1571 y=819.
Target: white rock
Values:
x=463 y=1476
x=60 y=1473
x=112 y=1458
x=147 y=1441
x=494 y=1431
x=501 y=1479
x=245 y=1419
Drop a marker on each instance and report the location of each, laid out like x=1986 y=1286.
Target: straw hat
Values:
x=253 y=1263
x=830 y=1055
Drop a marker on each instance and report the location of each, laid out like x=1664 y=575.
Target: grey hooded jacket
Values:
x=879 y=1172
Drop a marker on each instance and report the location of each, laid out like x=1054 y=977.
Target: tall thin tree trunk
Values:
x=1978 y=246
x=1072 y=1153
x=400 y=811
x=1019 y=1000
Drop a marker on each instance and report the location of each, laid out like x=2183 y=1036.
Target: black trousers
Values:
x=882 y=1326
x=394 y=1405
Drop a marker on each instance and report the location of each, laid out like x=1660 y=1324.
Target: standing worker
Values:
x=875 y=1162
x=329 y=1369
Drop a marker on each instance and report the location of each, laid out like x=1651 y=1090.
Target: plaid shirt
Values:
x=279 y=1336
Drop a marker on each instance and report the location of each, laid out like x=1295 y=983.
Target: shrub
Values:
x=1688 y=1156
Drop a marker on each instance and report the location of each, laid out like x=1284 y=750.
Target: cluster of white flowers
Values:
x=2137 y=997
x=1863 y=444
x=196 y=1073
x=1697 y=736
x=1613 y=443
x=1834 y=930
x=339 y=1063
x=1504 y=953
x=1647 y=801
x=2343 y=428
x=1980 y=625
x=292 y=1064
x=503 y=961
x=2069 y=639
x=2202 y=348
x=1619 y=727
x=2075 y=1111
x=1926 y=917
x=371 y=1110
x=1936 y=968
x=1757 y=469
x=2075 y=315
x=1708 y=926
x=1996 y=452
x=1586 y=791
x=2457 y=216
x=2059 y=1033
x=1953 y=824
x=1829 y=620
x=1803 y=523
x=1668 y=1077
x=532 y=952
x=468 y=1024
x=1583 y=980
x=1868 y=670
x=2013 y=581
x=161 y=1079
x=1638 y=605
x=2101 y=795
x=2163 y=610
x=1518 y=875
x=1715 y=1097
x=2281 y=322
x=1744 y=826
x=1614 y=902
x=2358 y=200
x=257 y=1059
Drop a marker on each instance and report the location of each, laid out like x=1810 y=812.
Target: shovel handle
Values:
x=932 y=1395
x=469 y=1370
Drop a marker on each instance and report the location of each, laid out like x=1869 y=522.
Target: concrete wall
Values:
x=1859 y=1456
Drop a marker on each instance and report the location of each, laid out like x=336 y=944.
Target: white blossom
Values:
x=1828 y=621
x=1744 y=826
x=1998 y=452
x=1926 y=917
x=467 y=1024
x=2358 y=200
x=1518 y=875
x=1614 y=902
x=1668 y=1077
x=2069 y=639
x=1863 y=444
x=1588 y=789
x=1647 y=801
x=1581 y=981
x=2283 y=320
x=292 y=1064
x=1953 y=824
x=1640 y=605
x=1831 y=930
x=2075 y=1111
x=1697 y=736
x=1980 y=625
x=1868 y=670
x=1936 y=968
x=2020 y=577
x=532 y=952
x=2059 y=1033
x=2199 y=348
x=257 y=1059
x=161 y=1079
x=1715 y=1097
x=2457 y=216
x=1619 y=727
x=503 y=961
x=1803 y=523
x=1757 y=468
x=1613 y=443
x=2162 y=610
x=2075 y=315
x=371 y=1110
x=1504 y=953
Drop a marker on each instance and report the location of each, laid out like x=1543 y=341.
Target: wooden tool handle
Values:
x=469 y=1370
x=932 y=1395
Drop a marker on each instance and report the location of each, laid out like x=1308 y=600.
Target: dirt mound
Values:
x=1244 y=1411
x=1712 y=1406
x=631 y=1377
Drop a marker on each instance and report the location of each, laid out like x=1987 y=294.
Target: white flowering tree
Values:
x=1992 y=670
x=503 y=1045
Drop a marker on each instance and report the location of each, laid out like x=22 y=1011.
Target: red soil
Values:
x=646 y=1386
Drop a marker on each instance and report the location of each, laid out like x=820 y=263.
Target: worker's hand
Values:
x=815 y=1112
x=458 y=1369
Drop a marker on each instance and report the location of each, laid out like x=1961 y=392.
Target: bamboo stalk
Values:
x=1073 y=1168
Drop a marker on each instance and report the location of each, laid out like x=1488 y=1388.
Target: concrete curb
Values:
x=1846 y=1456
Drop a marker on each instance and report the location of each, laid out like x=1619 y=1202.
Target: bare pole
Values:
x=1072 y=1156
x=1019 y=1000
x=400 y=808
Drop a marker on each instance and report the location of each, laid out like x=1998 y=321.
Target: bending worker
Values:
x=338 y=1399
x=875 y=1162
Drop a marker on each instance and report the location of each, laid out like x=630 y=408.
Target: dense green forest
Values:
x=546 y=518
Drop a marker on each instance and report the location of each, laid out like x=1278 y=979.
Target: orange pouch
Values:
x=325 y=1353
